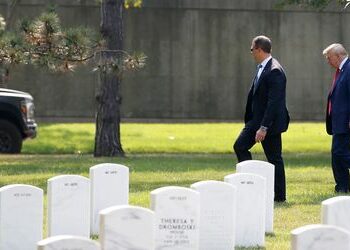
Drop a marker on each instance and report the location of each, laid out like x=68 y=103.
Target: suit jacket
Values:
x=266 y=106
x=338 y=121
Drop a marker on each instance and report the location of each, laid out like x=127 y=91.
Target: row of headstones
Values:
x=69 y=206
x=333 y=233
x=335 y=216
x=207 y=216
x=74 y=203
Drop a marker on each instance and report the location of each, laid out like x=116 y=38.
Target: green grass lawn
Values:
x=180 y=154
x=165 y=138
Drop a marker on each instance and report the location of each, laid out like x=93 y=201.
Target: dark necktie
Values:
x=331 y=90
x=256 y=79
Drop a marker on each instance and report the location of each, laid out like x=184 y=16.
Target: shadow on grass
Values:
x=47 y=169
x=142 y=186
x=307 y=159
x=75 y=164
x=313 y=199
x=284 y=204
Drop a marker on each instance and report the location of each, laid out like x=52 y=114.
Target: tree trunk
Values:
x=107 y=137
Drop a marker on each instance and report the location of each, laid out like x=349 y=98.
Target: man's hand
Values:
x=260 y=135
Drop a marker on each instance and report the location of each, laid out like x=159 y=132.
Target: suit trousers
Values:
x=272 y=146
x=341 y=161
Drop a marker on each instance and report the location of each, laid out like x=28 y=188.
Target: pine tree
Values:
x=44 y=43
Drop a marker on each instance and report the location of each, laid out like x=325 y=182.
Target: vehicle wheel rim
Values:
x=5 y=142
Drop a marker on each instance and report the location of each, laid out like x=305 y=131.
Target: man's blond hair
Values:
x=335 y=48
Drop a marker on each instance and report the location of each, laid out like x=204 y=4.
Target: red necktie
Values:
x=331 y=90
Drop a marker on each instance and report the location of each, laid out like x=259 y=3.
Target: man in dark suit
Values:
x=266 y=115
x=338 y=115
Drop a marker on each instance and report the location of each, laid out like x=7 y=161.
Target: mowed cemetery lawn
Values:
x=161 y=155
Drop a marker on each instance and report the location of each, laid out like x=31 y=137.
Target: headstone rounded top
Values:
x=108 y=165
x=255 y=163
x=123 y=207
x=58 y=238
x=172 y=189
x=68 y=176
x=12 y=186
x=213 y=183
x=244 y=175
x=313 y=227
x=336 y=199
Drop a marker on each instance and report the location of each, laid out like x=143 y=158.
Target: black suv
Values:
x=16 y=120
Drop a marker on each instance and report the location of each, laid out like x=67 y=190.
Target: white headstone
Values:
x=21 y=217
x=127 y=228
x=217 y=215
x=251 y=205
x=68 y=205
x=68 y=242
x=320 y=237
x=109 y=187
x=266 y=170
x=336 y=212
x=176 y=218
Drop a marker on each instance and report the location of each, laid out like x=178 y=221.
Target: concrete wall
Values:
x=199 y=64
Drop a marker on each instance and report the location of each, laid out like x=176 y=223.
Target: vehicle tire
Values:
x=10 y=138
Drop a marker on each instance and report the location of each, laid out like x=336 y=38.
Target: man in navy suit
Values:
x=338 y=115
x=266 y=115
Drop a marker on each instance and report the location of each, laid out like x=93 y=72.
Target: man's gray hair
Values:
x=335 y=48
x=263 y=42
